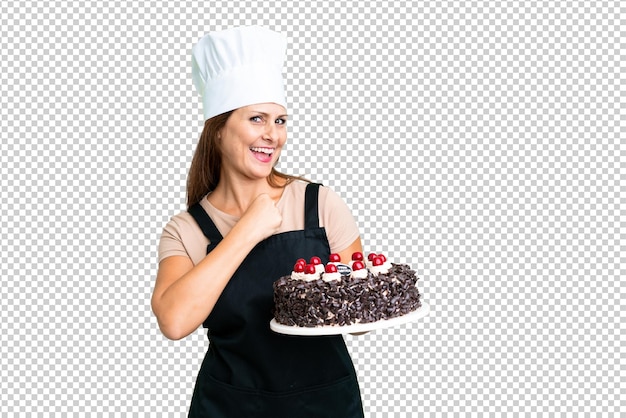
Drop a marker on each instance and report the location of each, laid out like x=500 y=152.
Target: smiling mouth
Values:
x=268 y=151
x=264 y=155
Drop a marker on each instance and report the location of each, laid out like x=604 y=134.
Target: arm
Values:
x=185 y=295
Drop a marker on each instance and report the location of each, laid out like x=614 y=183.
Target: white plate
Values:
x=420 y=312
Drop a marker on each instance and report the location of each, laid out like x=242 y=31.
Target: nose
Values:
x=271 y=132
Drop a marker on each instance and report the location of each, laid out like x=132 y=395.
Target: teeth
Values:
x=267 y=151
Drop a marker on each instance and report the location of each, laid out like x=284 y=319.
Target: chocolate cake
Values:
x=345 y=294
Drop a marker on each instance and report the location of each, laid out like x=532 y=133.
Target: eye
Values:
x=256 y=119
x=281 y=121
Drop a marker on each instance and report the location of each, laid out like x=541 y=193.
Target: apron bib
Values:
x=251 y=371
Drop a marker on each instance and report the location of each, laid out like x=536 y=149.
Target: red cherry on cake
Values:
x=309 y=269
x=331 y=268
x=301 y=261
x=315 y=261
x=299 y=268
x=358 y=256
x=382 y=256
x=358 y=265
x=378 y=261
x=334 y=258
x=371 y=256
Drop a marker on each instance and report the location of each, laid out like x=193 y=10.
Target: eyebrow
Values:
x=267 y=114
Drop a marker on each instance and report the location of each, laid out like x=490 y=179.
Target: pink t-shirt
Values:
x=182 y=235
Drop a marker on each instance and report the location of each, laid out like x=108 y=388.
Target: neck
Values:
x=234 y=196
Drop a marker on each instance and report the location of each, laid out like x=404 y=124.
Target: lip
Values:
x=264 y=157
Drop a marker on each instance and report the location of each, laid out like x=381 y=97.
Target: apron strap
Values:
x=206 y=223
x=311 y=213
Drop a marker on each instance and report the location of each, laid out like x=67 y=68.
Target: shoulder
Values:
x=180 y=223
x=296 y=186
x=294 y=194
x=182 y=236
x=327 y=197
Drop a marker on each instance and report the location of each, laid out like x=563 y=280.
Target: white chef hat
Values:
x=239 y=67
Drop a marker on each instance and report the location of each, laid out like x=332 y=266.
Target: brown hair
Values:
x=206 y=164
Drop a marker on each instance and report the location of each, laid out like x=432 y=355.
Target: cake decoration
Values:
x=358 y=270
x=380 y=264
x=317 y=262
x=357 y=256
x=331 y=273
x=311 y=272
x=334 y=258
x=342 y=269
x=298 y=270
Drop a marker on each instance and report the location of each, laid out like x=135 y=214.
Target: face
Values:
x=252 y=139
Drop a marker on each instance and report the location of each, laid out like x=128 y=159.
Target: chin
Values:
x=258 y=175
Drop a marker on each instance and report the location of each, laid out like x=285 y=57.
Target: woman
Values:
x=245 y=226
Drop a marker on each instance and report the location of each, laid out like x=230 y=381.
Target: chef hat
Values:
x=238 y=67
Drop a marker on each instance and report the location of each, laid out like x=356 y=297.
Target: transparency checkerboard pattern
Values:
x=481 y=142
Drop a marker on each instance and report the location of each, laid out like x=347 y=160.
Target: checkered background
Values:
x=479 y=141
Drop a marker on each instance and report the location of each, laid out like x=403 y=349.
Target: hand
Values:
x=262 y=218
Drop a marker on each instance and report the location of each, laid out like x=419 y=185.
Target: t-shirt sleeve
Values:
x=336 y=218
x=171 y=242
x=182 y=236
